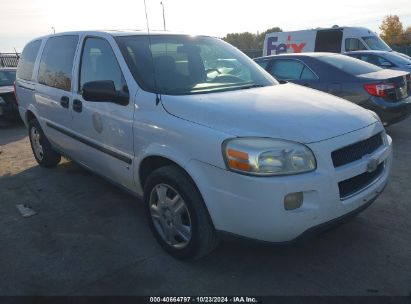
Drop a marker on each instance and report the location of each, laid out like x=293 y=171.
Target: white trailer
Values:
x=336 y=40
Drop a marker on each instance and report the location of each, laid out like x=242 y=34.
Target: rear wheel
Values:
x=42 y=150
x=177 y=214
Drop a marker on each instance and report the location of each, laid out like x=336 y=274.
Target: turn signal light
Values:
x=238 y=160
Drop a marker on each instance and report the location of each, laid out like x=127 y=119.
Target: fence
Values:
x=403 y=49
x=9 y=60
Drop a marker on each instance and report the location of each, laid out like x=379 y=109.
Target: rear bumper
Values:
x=390 y=112
x=8 y=112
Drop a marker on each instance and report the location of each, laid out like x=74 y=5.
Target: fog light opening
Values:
x=293 y=200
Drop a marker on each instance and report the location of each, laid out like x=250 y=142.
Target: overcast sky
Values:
x=22 y=20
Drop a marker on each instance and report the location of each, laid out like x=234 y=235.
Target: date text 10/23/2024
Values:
x=205 y=299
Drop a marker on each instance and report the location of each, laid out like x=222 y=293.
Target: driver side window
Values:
x=98 y=63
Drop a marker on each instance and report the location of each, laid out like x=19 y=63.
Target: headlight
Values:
x=267 y=157
x=2 y=100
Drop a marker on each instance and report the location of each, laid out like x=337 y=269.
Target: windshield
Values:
x=188 y=64
x=7 y=78
x=398 y=59
x=375 y=43
x=349 y=65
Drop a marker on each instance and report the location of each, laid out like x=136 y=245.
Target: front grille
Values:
x=356 y=151
x=355 y=184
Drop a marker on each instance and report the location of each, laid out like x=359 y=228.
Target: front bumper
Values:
x=253 y=207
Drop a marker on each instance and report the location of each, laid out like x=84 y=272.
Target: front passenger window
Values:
x=99 y=63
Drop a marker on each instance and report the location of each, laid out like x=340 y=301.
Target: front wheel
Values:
x=177 y=214
x=42 y=150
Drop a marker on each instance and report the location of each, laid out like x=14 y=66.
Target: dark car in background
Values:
x=8 y=105
x=385 y=60
x=386 y=92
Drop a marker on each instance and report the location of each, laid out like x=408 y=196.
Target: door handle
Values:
x=64 y=101
x=77 y=105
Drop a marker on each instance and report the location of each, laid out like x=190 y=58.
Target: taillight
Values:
x=15 y=93
x=378 y=89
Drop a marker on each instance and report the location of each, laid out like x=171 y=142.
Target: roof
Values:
x=308 y=54
x=116 y=33
x=367 y=52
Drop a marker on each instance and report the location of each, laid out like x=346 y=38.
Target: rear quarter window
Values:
x=56 y=63
x=263 y=63
x=348 y=64
x=27 y=60
x=287 y=69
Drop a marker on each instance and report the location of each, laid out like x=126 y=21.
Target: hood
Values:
x=285 y=111
x=6 y=89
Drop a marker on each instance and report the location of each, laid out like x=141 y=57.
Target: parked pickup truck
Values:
x=208 y=138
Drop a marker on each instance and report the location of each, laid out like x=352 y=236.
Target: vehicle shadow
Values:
x=90 y=238
x=12 y=132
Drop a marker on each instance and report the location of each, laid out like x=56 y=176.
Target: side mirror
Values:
x=103 y=91
x=386 y=64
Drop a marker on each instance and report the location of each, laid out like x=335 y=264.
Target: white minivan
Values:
x=335 y=40
x=213 y=144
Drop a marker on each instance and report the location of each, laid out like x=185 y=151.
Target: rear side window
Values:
x=56 y=63
x=291 y=70
x=7 y=77
x=349 y=65
x=27 y=60
x=354 y=44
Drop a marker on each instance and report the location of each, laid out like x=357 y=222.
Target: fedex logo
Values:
x=282 y=48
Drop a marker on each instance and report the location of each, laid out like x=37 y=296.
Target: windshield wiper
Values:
x=254 y=85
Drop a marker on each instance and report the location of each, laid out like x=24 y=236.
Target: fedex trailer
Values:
x=336 y=40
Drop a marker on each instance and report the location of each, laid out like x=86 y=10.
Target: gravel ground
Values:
x=89 y=238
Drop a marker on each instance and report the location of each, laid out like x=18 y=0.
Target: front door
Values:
x=104 y=130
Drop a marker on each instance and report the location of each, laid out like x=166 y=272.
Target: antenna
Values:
x=158 y=96
x=17 y=54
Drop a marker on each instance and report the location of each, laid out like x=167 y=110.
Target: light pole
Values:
x=164 y=16
x=54 y=31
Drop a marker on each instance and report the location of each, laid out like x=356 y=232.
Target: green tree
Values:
x=392 y=30
x=261 y=36
x=243 y=41
x=249 y=41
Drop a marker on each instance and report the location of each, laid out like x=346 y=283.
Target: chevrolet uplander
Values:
x=212 y=142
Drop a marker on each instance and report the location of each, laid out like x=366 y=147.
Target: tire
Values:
x=191 y=234
x=41 y=147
